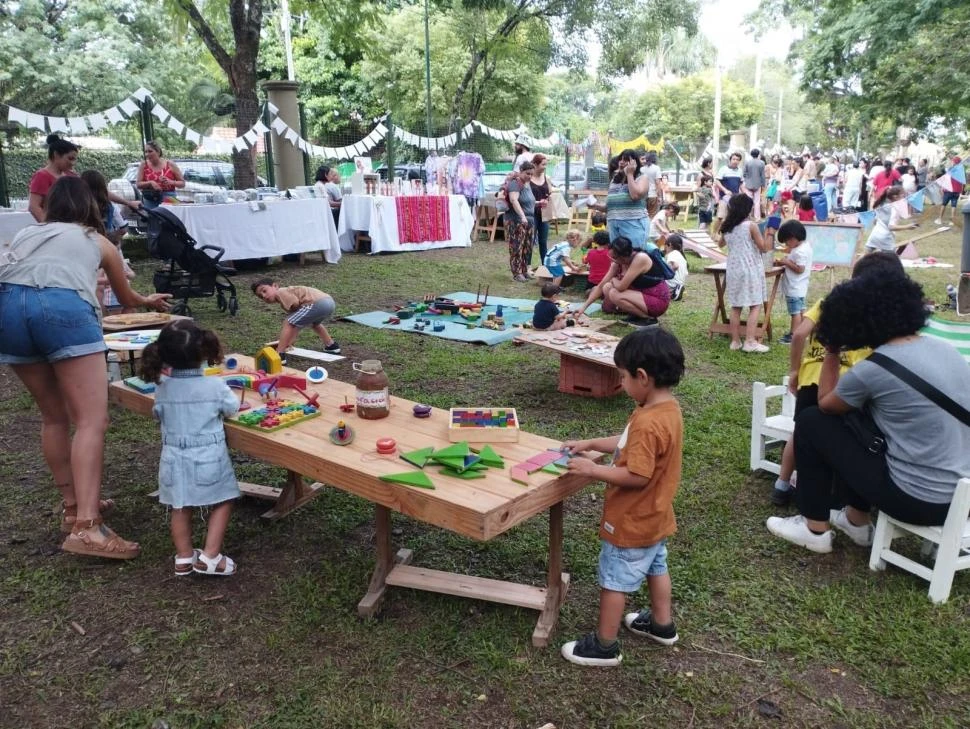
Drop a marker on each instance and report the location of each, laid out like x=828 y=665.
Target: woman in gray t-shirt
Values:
x=927 y=449
x=520 y=222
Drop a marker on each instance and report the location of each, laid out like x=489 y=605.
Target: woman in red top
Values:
x=884 y=180
x=61 y=156
x=157 y=178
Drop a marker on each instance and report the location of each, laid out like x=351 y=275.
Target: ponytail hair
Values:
x=622 y=247
x=181 y=345
x=57 y=145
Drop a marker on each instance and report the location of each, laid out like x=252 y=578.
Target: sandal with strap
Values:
x=183 y=565
x=218 y=566
x=69 y=513
x=94 y=539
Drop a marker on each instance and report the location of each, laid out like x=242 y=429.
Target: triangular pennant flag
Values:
x=114 y=115
x=959 y=174
x=260 y=128
x=411 y=478
x=329 y=152
x=273 y=108
x=175 y=125
x=160 y=113
x=945 y=182
x=192 y=136
x=279 y=126
x=78 y=125
x=129 y=107
x=97 y=121
x=36 y=121
x=142 y=93
x=909 y=252
x=57 y=123
x=916 y=201
x=934 y=196
x=291 y=136
x=240 y=144
x=419 y=457
x=901 y=207
x=16 y=116
x=251 y=137
x=867 y=218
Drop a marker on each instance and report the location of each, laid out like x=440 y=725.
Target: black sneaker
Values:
x=587 y=652
x=642 y=623
x=283 y=360
x=781 y=497
x=332 y=348
x=785 y=338
x=641 y=321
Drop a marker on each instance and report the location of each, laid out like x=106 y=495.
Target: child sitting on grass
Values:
x=546 y=316
x=798 y=269
x=307 y=306
x=558 y=261
x=638 y=511
x=597 y=259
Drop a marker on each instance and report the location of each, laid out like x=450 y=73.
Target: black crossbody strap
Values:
x=921 y=386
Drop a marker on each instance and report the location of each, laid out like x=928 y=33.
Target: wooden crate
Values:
x=486 y=434
x=587 y=379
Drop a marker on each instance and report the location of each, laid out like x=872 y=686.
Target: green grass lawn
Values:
x=769 y=632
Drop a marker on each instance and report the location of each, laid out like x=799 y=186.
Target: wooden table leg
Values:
x=370 y=604
x=766 y=327
x=557 y=581
x=720 y=312
x=294 y=494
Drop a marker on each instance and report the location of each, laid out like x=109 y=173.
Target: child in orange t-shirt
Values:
x=638 y=509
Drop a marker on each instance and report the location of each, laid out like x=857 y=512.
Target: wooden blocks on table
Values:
x=483 y=425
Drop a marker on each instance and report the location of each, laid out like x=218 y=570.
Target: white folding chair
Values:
x=952 y=542
x=768 y=429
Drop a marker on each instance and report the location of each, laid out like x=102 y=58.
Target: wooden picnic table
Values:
x=720 y=322
x=480 y=509
x=585 y=358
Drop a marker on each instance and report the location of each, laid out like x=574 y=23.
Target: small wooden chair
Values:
x=487 y=221
x=952 y=542
x=361 y=242
x=769 y=429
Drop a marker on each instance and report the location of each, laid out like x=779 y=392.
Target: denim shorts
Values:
x=623 y=569
x=556 y=270
x=796 y=304
x=312 y=314
x=950 y=198
x=636 y=230
x=46 y=325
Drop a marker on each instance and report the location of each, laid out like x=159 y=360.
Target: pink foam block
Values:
x=519 y=474
x=541 y=459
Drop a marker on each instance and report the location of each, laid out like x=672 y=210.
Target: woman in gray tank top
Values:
x=52 y=340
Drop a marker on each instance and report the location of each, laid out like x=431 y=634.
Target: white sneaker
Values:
x=794 y=529
x=756 y=347
x=861 y=535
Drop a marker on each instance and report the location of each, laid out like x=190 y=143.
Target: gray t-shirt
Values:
x=526 y=200
x=653 y=174
x=754 y=173
x=927 y=449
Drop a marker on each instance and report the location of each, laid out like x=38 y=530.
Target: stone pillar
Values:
x=739 y=141
x=287 y=157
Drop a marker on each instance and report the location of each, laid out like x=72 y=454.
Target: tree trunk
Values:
x=247 y=114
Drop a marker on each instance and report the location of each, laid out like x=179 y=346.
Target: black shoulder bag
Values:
x=864 y=428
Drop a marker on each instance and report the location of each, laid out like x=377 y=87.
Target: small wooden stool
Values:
x=361 y=242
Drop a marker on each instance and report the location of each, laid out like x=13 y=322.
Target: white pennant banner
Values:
x=16 y=116
x=57 y=123
x=78 y=125
x=161 y=113
x=97 y=121
x=129 y=107
x=142 y=93
x=36 y=121
x=175 y=125
x=114 y=116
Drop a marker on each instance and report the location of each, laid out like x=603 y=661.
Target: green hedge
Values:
x=21 y=164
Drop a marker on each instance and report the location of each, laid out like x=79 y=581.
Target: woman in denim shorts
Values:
x=50 y=335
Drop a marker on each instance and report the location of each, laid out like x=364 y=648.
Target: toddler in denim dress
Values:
x=194 y=469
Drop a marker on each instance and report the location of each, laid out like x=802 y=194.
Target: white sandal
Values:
x=211 y=565
x=185 y=565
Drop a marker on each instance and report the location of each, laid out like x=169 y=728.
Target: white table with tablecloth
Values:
x=376 y=215
x=275 y=228
x=12 y=223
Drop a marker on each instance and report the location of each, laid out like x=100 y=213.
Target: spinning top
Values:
x=422 y=411
x=341 y=434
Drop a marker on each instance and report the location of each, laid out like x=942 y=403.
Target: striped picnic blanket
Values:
x=953 y=332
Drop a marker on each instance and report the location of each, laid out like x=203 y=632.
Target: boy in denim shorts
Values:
x=306 y=306
x=638 y=510
x=797 y=263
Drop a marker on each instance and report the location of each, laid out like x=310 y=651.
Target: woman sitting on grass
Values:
x=926 y=448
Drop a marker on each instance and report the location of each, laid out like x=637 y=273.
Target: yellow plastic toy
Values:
x=268 y=360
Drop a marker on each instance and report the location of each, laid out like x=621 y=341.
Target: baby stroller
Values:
x=192 y=273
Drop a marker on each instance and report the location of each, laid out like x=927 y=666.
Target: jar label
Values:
x=373 y=399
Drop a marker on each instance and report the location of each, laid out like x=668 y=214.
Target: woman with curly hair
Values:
x=927 y=449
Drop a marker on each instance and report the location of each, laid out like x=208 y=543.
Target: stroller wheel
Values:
x=233 y=305
x=180 y=309
x=221 y=302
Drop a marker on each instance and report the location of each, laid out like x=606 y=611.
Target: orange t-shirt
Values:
x=292 y=298
x=651 y=446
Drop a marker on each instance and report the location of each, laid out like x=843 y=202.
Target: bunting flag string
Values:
x=128 y=108
x=952 y=180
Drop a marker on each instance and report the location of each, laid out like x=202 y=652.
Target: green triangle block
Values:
x=478 y=466
x=553 y=468
x=462 y=474
x=419 y=457
x=411 y=478
x=490 y=457
x=456 y=464
x=455 y=450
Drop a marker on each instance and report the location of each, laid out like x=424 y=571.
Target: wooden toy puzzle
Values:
x=276 y=414
x=483 y=425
